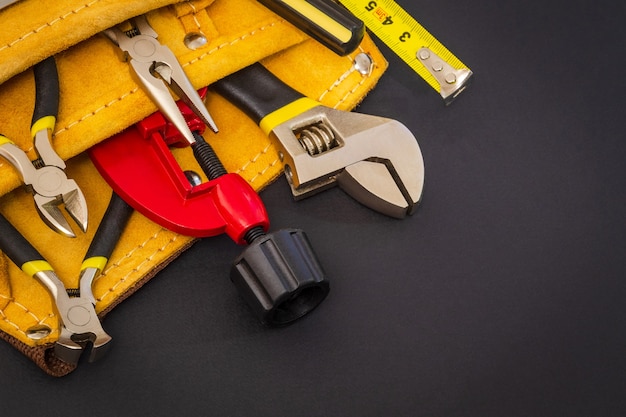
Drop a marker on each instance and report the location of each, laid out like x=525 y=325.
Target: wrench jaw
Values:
x=375 y=160
x=385 y=192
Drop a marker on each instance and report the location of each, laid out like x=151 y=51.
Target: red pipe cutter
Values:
x=278 y=273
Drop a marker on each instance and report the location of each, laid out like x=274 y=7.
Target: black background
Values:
x=502 y=296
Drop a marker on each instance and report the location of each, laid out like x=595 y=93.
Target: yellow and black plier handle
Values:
x=45 y=176
x=80 y=327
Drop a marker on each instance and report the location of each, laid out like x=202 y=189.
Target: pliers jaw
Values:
x=46 y=179
x=375 y=160
x=157 y=70
x=80 y=327
x=75 y=204
x=71 y=346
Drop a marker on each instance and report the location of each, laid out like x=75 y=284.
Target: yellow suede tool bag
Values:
x=99 y=97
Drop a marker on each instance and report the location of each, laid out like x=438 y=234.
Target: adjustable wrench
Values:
x=375 y=160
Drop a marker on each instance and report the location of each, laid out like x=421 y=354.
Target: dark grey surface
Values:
x=503 y=296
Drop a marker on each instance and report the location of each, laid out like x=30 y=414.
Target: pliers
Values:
x=45 y=176
x=156 y=69
x=80 y=326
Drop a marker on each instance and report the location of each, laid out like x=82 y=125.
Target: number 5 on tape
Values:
x=410 y=41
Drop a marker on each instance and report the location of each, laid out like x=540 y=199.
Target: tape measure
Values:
x=410 y=41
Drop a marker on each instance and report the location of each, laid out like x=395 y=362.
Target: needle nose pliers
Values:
x=45 y=176
x=157 y=69
x=80 y=327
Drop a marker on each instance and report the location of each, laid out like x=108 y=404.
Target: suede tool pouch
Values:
x=99 y=98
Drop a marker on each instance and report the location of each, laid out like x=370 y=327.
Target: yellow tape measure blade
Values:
x=443 y=71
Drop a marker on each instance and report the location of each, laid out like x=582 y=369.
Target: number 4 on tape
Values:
x=410 y=41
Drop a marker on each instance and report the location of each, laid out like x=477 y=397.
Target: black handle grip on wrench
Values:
x=15 y=246
x=46 y=89
x=256 y=91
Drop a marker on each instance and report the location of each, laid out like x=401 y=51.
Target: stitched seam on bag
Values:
x=96 y=111
x=49 y=24
x=122 y=97
x=139 y=266
x=194 y=12
x=254 y=159
x=342 y=78
x=87 y=116
x=6 y=319
x=233 y=42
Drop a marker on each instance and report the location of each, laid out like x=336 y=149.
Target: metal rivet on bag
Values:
x=38 y=331
x=195 y=40
x=363 y=63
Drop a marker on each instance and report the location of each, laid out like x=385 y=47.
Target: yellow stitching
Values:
x=15 y=326
x=232 y=42
x=356 y=87
x=48 y=24
x=23 y=307
x=140 y=265
x=342 y=78
x=87 y=116
x=261 y=173
x=338 y=81
x=96 y=111
x=116 y=264
x=254 y=158
x=26 y=310
x=194 y=11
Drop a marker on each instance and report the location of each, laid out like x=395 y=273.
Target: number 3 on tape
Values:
x=410 y=41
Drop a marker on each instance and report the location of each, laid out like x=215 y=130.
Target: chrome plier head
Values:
x=45 y=176
x=79 y=326
x=81 y=330
x=46 y=179
x=158 y=71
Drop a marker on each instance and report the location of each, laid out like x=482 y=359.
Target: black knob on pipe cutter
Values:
x=278 y=274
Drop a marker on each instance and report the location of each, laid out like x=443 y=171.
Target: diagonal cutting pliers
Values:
x=80 y=327
x=45 y=176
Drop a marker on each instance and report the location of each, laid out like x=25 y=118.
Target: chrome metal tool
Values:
x=45 y=176
x=375 y=160
x=80 y=328
x=158 y=71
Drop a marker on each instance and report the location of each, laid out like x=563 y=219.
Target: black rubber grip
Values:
x=46 y=89
x=314 y=29
x=15 y=246
x=256 y=91
x=280 y=277
x=111 y=227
